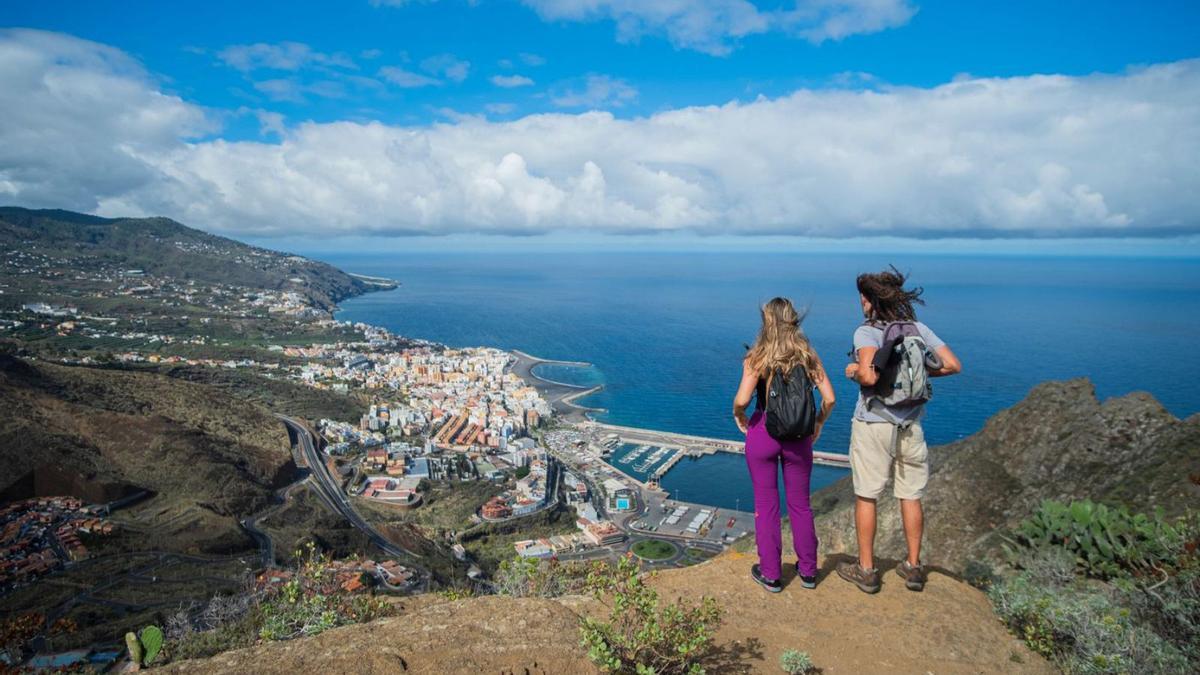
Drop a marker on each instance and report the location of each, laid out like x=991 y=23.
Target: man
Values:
x=886 y=441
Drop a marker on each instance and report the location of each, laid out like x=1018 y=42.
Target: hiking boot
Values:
x=771 y=585
x=866 y=580
x=913 y=575
x=805 y=580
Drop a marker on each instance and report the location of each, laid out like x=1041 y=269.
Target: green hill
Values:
x=163 y=247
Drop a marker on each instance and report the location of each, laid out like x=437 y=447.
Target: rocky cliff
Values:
x=1059 y=443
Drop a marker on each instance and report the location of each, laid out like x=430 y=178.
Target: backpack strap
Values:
x=898 y=424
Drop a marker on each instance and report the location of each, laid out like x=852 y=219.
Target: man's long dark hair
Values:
x=890 y=301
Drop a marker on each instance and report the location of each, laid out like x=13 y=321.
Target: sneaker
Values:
x=805 y=580
x=913 y=575
x=866 y=580
x=771 y=585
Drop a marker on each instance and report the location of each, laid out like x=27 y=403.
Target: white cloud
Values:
x=447 y=66
x=500 y=108
x=821 y=20
x=292 y=90
x=598 y=91
x=712 y=26
x=532 y=59
x=510 y=81
x=703 y=25
x=86 y=128
x=406 y=79
x=289 y=56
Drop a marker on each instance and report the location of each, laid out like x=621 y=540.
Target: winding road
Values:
x=329 y=490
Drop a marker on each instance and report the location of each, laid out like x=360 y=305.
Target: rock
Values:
x=1059 y=443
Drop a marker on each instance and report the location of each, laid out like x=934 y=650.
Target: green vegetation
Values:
x=308 y=603
x=796 y=662
x=1101 y=590
x=693 y=555
x=492 y=543
x=522 y=471
x=1107 y=542
x=642 y=634
x=530 y=577
x=654 y=549
x=144 y=645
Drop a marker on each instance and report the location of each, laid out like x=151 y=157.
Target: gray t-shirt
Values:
x=872 y=336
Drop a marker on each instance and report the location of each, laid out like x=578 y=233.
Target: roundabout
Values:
x=654 y=550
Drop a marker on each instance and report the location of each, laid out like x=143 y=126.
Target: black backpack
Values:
x=790 y=407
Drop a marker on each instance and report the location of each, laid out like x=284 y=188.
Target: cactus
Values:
x=151 y=639
x=1106 y=541
x=135 y=649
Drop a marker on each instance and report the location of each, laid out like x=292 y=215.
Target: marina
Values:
x=654 y=458
x=660 y=451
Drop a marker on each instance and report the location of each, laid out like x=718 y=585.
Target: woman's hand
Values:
x=741 y=422
x=851 y=371
x=817 y=432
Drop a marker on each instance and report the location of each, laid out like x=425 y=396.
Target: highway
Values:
x=329 y=490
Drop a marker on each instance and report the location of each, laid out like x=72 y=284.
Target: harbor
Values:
x=674 y=447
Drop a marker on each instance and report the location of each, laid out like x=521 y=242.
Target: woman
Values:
x=780 y=347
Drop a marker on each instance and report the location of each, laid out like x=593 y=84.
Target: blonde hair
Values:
x=781 y=344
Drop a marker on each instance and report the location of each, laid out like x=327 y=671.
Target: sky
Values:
x=653 y=122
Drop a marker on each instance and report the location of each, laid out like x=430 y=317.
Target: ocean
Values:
x=665 y=332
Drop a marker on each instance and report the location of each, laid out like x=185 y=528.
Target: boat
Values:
x=653 y=459
x=632 y=456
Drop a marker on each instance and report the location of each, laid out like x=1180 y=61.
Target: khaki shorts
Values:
x=872 y=462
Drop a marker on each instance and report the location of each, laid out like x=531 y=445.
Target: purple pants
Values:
x=764 y=455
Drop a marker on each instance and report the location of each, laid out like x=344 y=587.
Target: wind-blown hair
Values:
x=890 y=301
x=781 y=344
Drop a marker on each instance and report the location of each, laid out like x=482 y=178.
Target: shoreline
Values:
x=561 y=395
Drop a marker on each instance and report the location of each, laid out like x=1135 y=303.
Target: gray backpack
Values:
x=903 y=362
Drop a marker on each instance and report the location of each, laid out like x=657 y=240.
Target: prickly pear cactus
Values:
x=135 y=649
x=151 y=638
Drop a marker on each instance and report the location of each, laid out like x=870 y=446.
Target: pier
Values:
x=694 y=446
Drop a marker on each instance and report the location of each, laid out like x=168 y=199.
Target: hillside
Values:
x=953 y=630
x=163 y=247
x=1059 y=443
x=103 y=434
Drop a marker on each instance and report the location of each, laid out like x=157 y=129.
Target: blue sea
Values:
x=666 y=331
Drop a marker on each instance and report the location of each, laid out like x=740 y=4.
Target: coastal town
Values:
x=437 y=415
x=465 y=448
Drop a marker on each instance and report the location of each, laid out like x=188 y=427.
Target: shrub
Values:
x=1082 y=629
x=979 y=574
x=1171 y=605
x=1102 y=590
x=307 y=604
x=795 y=662
x=642 y=634
x=1106 y=541
x=310 y=603
x=530 y=577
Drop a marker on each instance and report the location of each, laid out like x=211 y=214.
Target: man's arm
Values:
x=950 y=363
x=862 y=371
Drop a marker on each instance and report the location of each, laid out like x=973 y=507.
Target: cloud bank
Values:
x=85 y=127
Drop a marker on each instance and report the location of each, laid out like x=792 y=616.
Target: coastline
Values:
x=561 y=395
